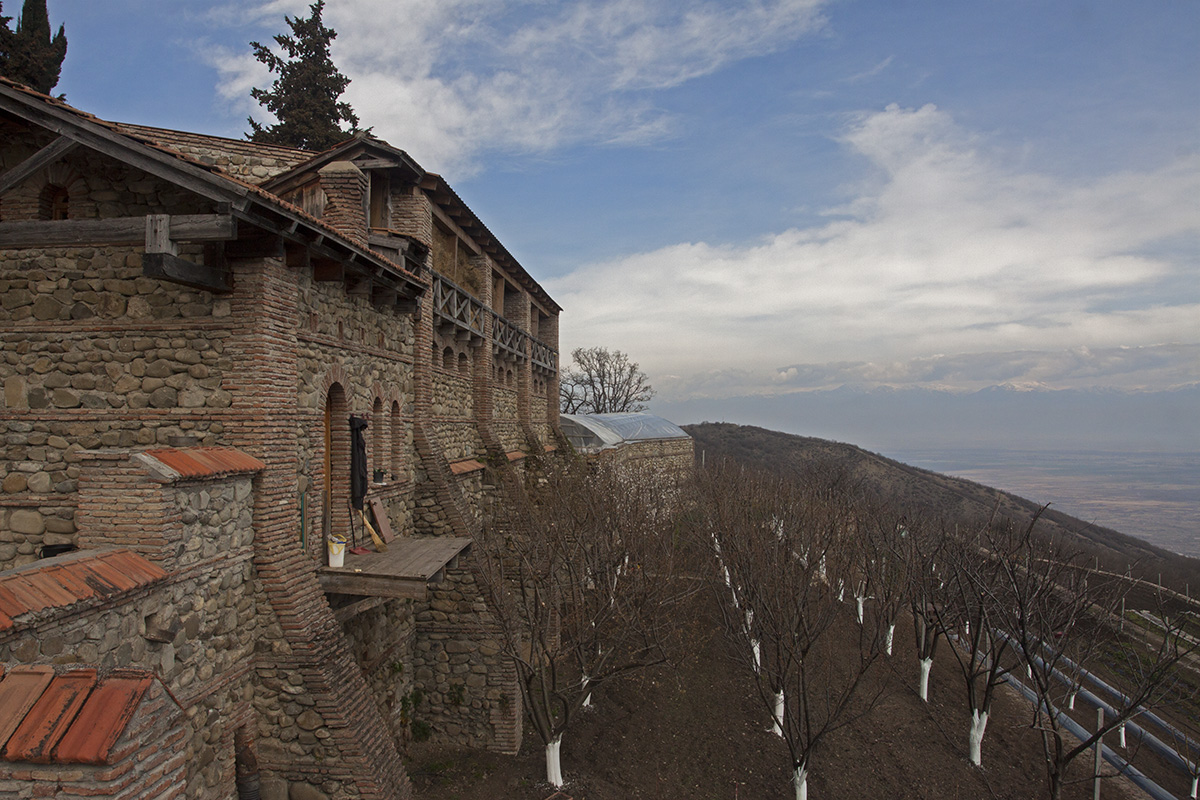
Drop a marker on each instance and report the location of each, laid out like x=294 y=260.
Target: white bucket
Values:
x=337 y=551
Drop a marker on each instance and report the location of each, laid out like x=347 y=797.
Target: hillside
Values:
x=697 y=729
x=953 y=498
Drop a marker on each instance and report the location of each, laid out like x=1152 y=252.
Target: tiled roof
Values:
x=465 y=466
x=70 y=579
x=72 y=718
x=206 y=462
x=231 y=182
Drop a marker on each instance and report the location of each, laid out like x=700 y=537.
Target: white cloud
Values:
x=451 y=79
x=946 y=250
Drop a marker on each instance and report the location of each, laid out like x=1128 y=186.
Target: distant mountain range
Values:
x=955 y=499
x=1009 y=416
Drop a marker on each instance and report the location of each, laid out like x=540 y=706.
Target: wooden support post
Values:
x=1099 y=750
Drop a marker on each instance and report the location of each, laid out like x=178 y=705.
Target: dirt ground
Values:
x=698 y=730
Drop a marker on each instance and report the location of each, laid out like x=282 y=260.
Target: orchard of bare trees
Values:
x=813 y=575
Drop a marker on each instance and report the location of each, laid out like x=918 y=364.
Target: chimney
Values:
x=345 y=187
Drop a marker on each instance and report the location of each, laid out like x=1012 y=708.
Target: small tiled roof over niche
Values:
x=75 y=717
x=72 y=578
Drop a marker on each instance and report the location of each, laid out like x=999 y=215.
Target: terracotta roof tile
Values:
x=102 y=720
x=515 y=455
x=465 y=466
x=201 y=462
x=71 y=718
x=50 y=717
x=19 y=690
x=57 y=584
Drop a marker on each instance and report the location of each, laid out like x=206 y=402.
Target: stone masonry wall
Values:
x=472 y=697
x=382 y=640
x=197 y=630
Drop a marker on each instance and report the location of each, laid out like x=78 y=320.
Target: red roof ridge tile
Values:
x=102 y=719
x=50 y=717
x=19 y=690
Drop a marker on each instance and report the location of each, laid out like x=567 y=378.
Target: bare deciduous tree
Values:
x=967 y=618
x=922 y=543
x=580 y=574
x=1061 y=617
x=779 y=545
x=601 y=381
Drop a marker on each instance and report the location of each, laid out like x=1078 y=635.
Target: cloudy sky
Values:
x=758 y=196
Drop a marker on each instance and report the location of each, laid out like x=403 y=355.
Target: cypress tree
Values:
x=30 y=55
x=6 y=41
x=304 y=97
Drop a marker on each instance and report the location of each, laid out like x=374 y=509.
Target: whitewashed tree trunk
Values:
x=890 y=635
x=1071 y=701
x=841 y=592
x=587 y=701
x=926 y=665
x=800 y=781
x=757 y=650
x=553 y=766
x=975 y=739
x=1122 y=734
x=1195 y=786
x=859 y=599
x=777 y=723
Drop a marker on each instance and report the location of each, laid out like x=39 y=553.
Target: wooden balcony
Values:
x=405 y=570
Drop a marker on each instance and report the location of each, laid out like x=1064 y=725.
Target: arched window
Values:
x=464 y=364
x=448 y=358
x=54 y=202
x=335 y=518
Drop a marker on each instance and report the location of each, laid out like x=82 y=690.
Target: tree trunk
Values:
x=757 y=650
x=800 y=781
x=777 y=725
x=890 y=635
x=975 y=739
x=926 y=665
x=553 y=766
x=587 y=701
x=1195 y=786
x=859 y=599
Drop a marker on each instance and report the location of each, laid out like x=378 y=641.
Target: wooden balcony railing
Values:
x=455 y=305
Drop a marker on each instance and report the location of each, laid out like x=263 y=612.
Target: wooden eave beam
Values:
x=113 y=231
x=48 y=155
x=456 y=229
x=166 y=266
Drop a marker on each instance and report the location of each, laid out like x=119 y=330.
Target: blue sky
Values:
x=771 y=196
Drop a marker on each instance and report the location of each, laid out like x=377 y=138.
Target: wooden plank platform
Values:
x=405 y=570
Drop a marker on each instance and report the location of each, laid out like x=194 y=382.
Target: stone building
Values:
x=189 y=324
x=635 y=438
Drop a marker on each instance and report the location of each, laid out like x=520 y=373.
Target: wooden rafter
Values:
x=42 y=158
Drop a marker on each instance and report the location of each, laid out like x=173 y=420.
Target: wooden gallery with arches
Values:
x=249 y=396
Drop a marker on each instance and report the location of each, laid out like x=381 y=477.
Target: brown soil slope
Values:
x=698 y=730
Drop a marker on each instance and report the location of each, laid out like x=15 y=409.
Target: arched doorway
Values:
x=336 y=466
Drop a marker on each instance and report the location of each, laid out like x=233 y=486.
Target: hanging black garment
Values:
x=358 y=462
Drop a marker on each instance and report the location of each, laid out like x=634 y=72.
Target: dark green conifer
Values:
x=304 y=97
x=30 y=55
